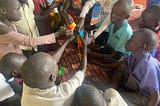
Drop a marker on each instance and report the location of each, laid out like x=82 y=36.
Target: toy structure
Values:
x=61 y=69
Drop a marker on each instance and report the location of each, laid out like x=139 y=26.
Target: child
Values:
x=141 y=69
x=87 y=95
x=10 y=40
x=151 y=20
x=39 y=74
x=119 y=33
x=10 y=90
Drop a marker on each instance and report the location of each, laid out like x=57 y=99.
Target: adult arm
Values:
x=83 y=63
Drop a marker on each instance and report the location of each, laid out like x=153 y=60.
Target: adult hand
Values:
x=60 y=32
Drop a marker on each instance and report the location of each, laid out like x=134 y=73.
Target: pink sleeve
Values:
x=17 y=38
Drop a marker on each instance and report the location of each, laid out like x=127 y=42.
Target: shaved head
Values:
x=38 y=69
x=153 y=11
x=11 y=62
x=87 y=95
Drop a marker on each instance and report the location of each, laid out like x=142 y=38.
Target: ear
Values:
x=145 y=47
x=3 y=10
x=52 y=78
x=13 y=73
x=126 y=16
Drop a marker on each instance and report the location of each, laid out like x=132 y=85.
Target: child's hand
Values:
x=69 y=33
x=70 y=38
x=61 y=32
x=80 y=24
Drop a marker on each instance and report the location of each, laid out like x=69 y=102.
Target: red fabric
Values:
x=38 y=4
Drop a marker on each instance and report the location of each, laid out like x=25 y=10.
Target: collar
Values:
x=120 y=30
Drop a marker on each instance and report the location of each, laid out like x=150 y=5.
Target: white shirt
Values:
x=115 y=97
x=5 y=89
x=56 y=96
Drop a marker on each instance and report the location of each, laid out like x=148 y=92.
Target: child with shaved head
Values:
x=150 y=18
x=10 y=90
x=141 y=69
x=87 y=95
x=39 y=74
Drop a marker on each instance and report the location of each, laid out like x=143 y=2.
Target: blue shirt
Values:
x=146 y=73
x=118 y=39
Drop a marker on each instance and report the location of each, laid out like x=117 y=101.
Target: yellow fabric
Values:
x=27 y=25
x=115 y=97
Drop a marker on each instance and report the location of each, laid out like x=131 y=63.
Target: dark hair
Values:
x=154 y=10
x=87 y=95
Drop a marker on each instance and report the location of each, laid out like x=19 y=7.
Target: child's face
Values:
x=17 y=68
x=13 y=11
x=117 y=14
x=148 y=21
x=134 y=43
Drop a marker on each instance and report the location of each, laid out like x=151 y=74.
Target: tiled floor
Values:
x=71 y=61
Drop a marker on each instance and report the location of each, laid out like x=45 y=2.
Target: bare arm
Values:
x=114 y=55
x=57 y=55
x=154 y=98
x=68 y=18
x=18 y=38
x=83 y=63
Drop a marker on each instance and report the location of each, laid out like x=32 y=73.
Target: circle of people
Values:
x=28 y=73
